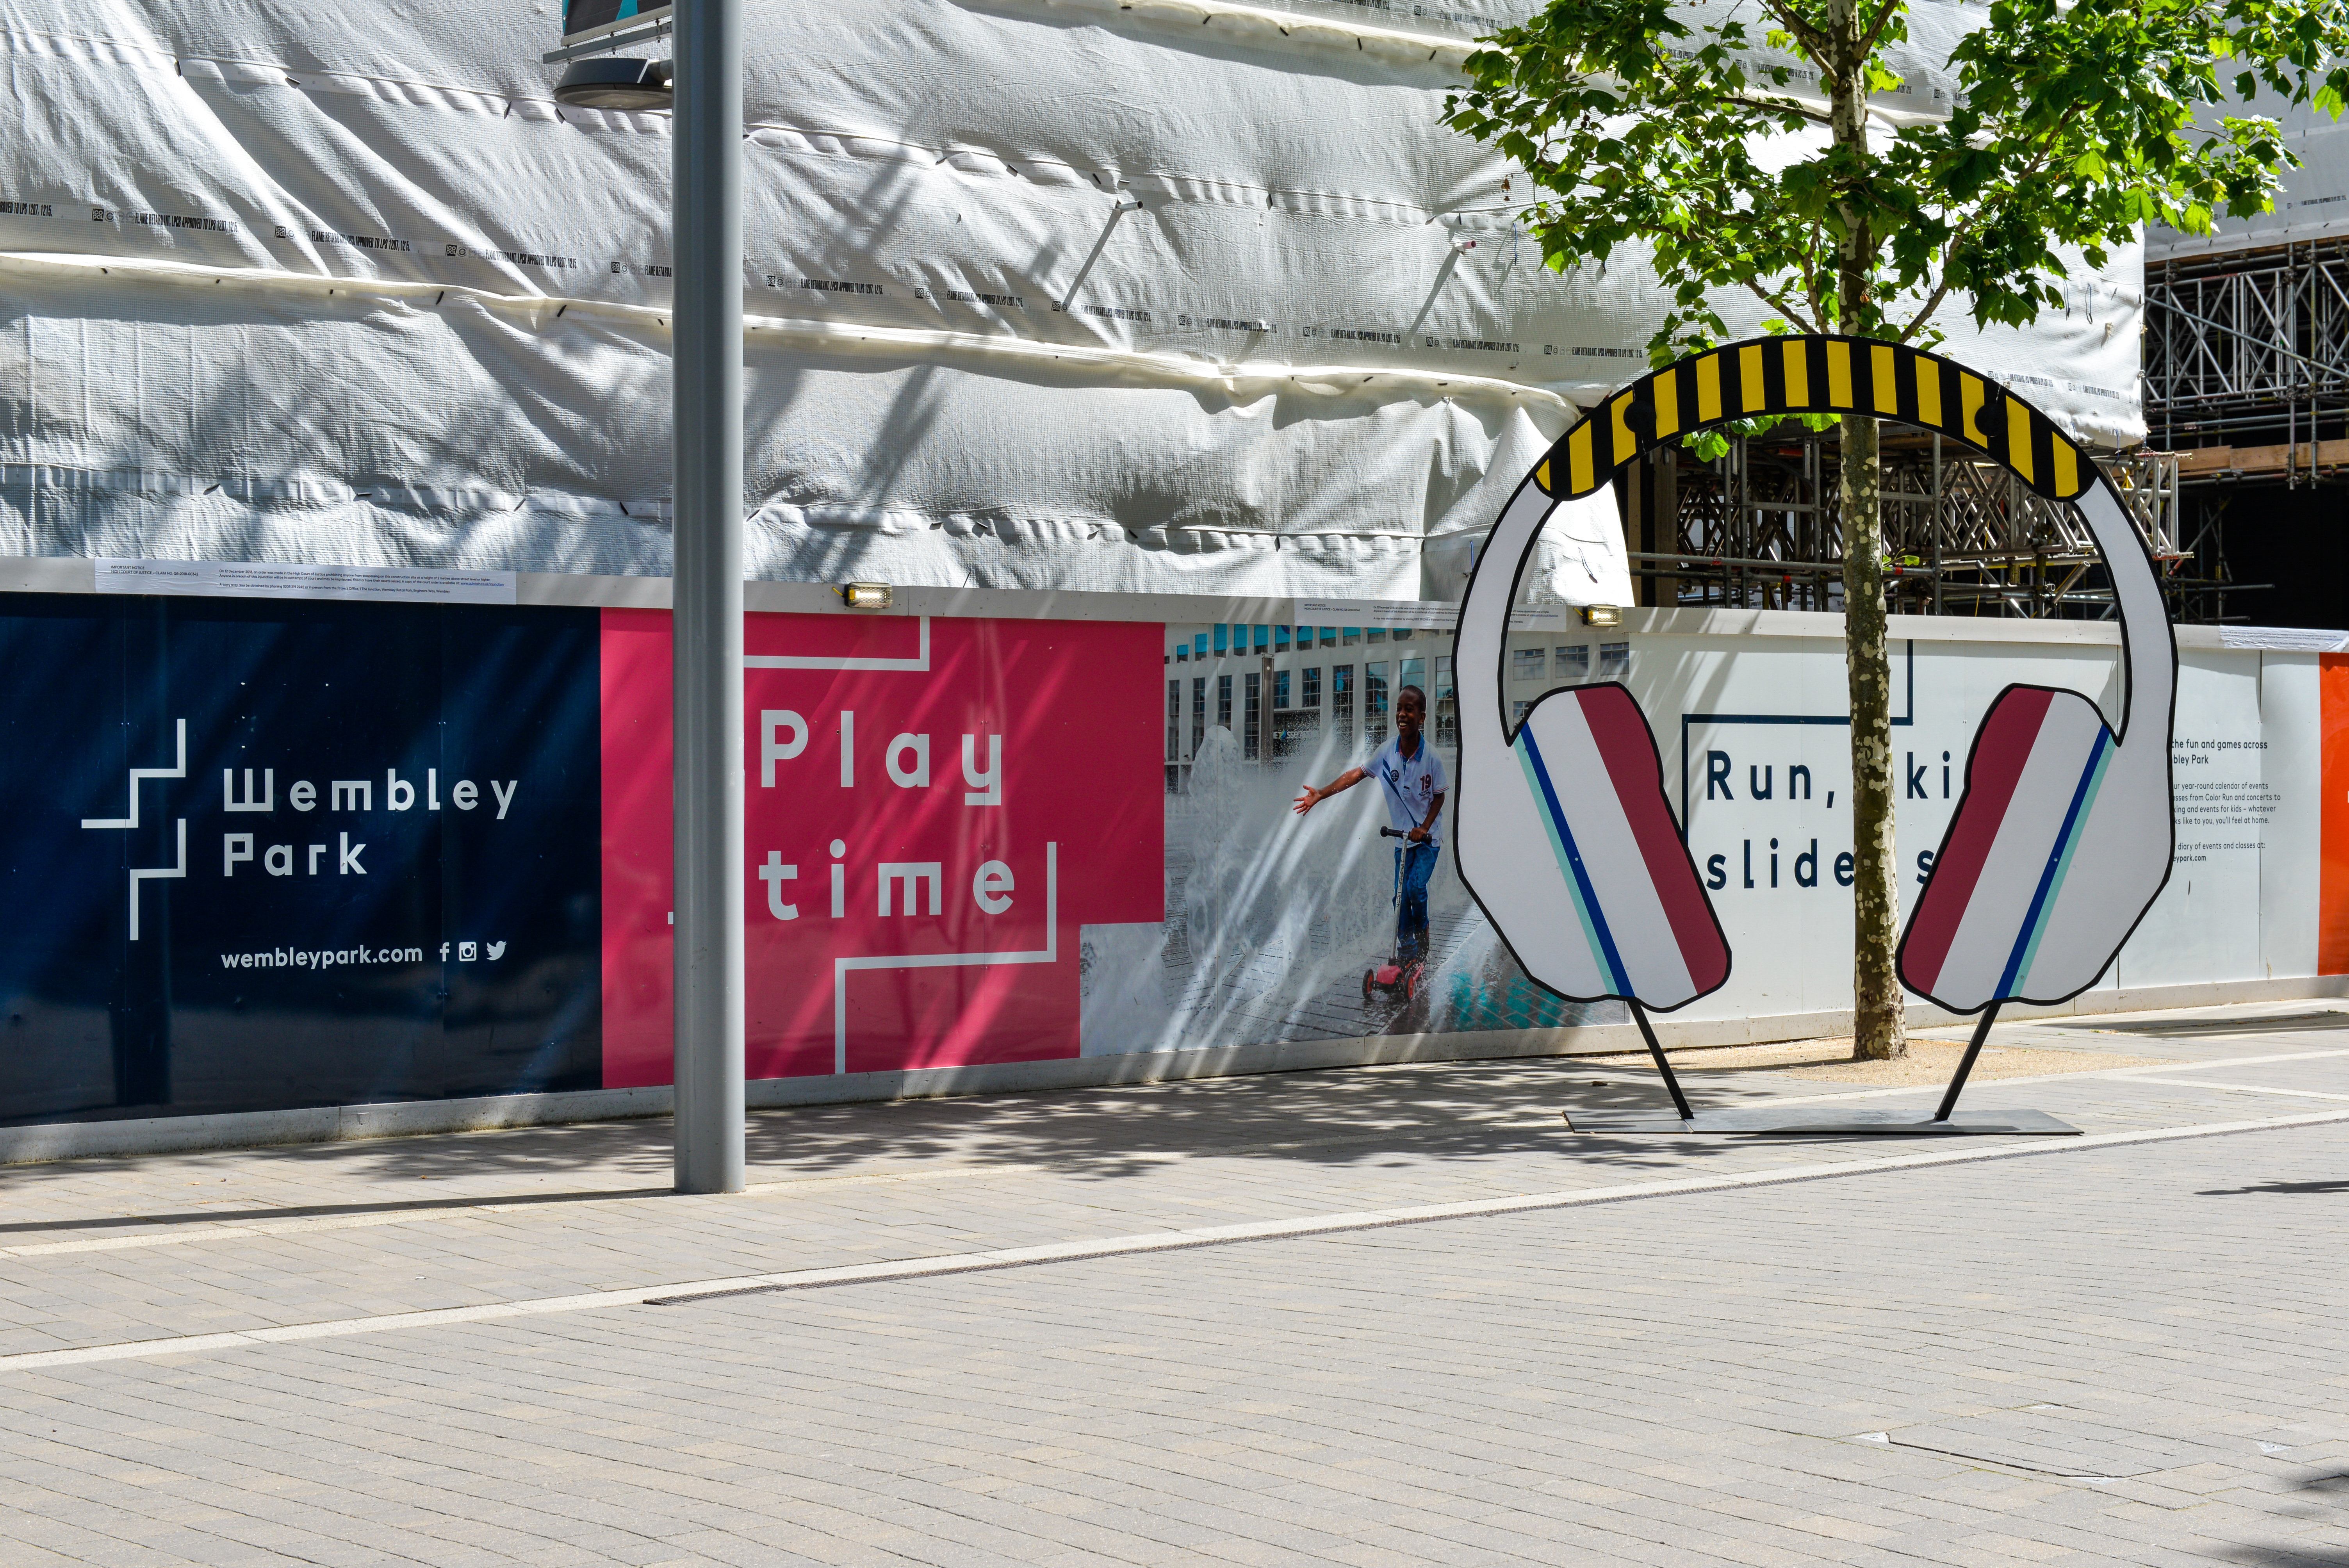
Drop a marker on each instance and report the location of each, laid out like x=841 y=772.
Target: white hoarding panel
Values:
x=1272 y=921
x=2288 y=820
x=2206 y=923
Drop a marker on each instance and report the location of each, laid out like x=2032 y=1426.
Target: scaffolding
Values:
x=2251 y=348
x=2246 y=393
x=2247 y=381
x=1762 y=527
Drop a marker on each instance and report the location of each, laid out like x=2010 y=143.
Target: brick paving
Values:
x=2120 y=1354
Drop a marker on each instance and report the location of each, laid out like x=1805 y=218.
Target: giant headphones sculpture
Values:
x=2060 y=843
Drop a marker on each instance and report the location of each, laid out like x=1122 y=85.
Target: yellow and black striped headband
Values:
x=1815 y=374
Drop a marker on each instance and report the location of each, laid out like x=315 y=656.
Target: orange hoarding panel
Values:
x=2332 y=888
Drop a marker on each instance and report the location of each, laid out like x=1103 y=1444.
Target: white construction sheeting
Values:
x=2314 y=203
x=1173 y=297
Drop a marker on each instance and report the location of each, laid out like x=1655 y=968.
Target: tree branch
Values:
x=1781 y=106
x=1876 y=29
x=1925 y=310
x=1777 y=301
x=1814 y=282
x=1972 y=220
x=1813 y=42
x=1702 y=98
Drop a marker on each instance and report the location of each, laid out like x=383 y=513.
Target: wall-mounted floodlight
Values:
x=1602 y=614
x=864 y=595
x=616 y=84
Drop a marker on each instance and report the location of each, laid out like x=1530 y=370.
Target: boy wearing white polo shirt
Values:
x=1411 y=777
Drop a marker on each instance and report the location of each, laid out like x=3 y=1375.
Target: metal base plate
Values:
x=1820 y=1121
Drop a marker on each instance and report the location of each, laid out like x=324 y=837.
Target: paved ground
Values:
x=2128 y=1348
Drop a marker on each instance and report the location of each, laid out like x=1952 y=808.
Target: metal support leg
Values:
x=1966 y=1063
x=708 y=617
x=1648 y=1033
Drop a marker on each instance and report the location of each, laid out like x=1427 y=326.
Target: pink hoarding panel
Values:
x=934 y=808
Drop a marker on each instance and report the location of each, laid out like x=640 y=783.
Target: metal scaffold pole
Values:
x=708 y=622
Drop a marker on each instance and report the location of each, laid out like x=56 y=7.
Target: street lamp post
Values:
x=706 y=235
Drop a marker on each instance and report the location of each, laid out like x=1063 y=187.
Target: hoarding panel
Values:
x=584 y=19
x=265 y=855
x=935 y=808
x=446 y=872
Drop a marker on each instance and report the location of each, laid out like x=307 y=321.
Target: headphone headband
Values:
x=1815 y=374
x=2060 y=844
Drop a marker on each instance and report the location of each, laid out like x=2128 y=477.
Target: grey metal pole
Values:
x=707 y=238
x=1264 y=709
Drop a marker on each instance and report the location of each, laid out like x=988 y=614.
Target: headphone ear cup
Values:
x=1579 y=863
x=2045 y=869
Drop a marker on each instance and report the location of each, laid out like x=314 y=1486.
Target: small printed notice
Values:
x=2282 y=639
x=293 y=579
x=1414 y=614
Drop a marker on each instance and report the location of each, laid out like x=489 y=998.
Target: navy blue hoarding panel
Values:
x=263 y=854
x=580 y=16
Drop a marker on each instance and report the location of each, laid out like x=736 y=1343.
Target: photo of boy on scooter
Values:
x=1411 y=776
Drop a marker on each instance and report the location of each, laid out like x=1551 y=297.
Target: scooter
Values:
x=1398 y=976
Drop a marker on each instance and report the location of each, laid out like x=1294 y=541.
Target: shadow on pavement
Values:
x=1344 y=1118
x=1327 y=1118
x=323 y=1210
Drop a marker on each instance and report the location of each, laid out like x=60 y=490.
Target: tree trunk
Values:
x=1878 y=1028
x=1879 y=1023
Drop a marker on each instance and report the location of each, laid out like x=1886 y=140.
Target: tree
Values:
x=2074 y=123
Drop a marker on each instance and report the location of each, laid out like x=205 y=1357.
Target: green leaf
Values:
x=2074 y=123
